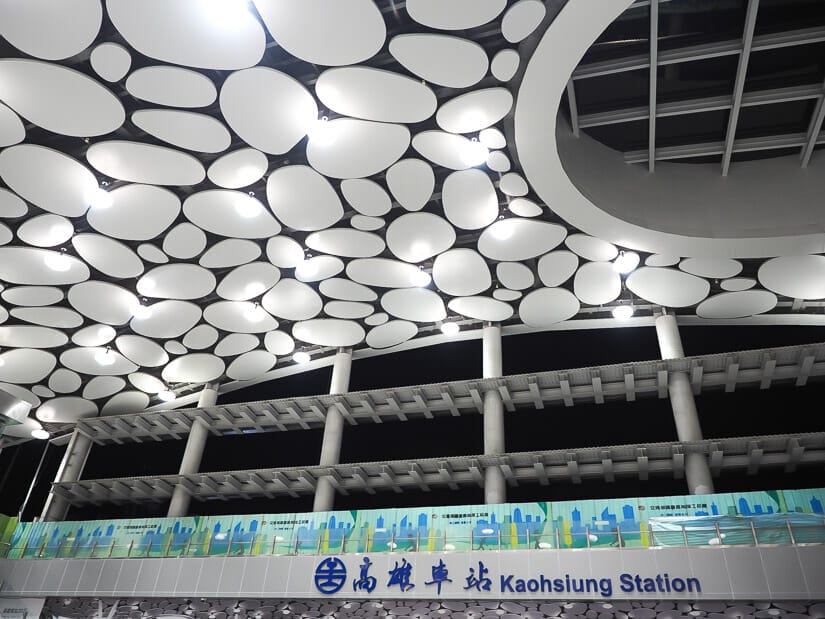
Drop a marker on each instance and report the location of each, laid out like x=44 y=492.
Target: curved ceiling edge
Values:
x=541 y=154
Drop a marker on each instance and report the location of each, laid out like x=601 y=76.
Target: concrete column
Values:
x=192 y=454
x=697 y=471
x=70 y=470
x=333 y=431
x=494 y=486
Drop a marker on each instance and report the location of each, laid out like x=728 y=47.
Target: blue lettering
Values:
x=627 y=582
x=506 y=584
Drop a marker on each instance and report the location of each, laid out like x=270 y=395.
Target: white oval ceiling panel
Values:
x=70 y=185
x=411 y=182
x=717 y=268
x=103 y=387
x=45 y=230
x=151 y=253
x=379 y=318
x=469 y=199
x=414 y=237
x=251 y=365
x=423 y=55
x=145 y=163
x=318 y=268
x=661 y=260
x=87 y=361
x=94 y=335
x=738 y=284
x=230 y=253
x=375 y=94
x=391 y=333
x=331 y=33
x=492 y=138
x=64 y=381
x=547 y=306
x=279 y=343
x=125 y=403
x=25 y=336
x=346 y=290
x=194 y=33
x=269 y=110
x=48 y=30
x=557 y=267
x=197 y=132
x=591 y=248
x=329 y=332
x=456 y=14
x=319 y=206
x=292 y=300
x=236 y=344
x=513 y=184
x=505 y=294
x=230 y=213
x=368 y=197
x=350 y=310
x=6 y=234
x=449 y=150
x=516 y=239
x=57 y=317
x=67 y=409
x=142 y=350
x=382 y=272
x=103 y=302
x=515 y=275
x=146 y=382
x=522 y=19
x=184 y=241
x=481 y=308
x=737 y=304
x=367 y=224
x=239 y=317
x=27 y=265
x=173 y=347
x=12 y=130
x=11 y=206
x=59 y=99
x=237 y=169
x=202 y=336
x=42 y=391
x=497 y=161
x=111 y=61
x=167 y=319
x=597 y=283
x=415 y=304
x=668 y=287
x=248 y=281
x=33 y=296
x=797 y=277
x=346 y=242
x=461 y=272
x=351 y=148
x=284 y=252
x=505 y=64
x=172 y=86
x=194 y=368
x=474 y=111
x=108 y=256
x=177 y=281
x=25 y=365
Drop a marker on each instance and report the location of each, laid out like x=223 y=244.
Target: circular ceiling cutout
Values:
x=167 y=319
x=513 y=184
x=292 y=300
x=103 y=387
x=469 y=199
x=145 y=163
x=33 y=296
x=194 y=33
x=25 y=336
x=318 y=268
x=57 y=317
x=188 y=130
x=64 y=381
x=346 y=242
x=12 y=130
x=110 y=61
x=737 y=304
x=279 y=343
x=515 y=275
x=284 y=252
x=319 y=207
x=202 y=336
x=150 y=253
x=11 y=205
x=230 y=253
x=423 y=55
x=25 y=265
x=461 y=272
x=248 y=281
x=481 y=308
x=146 y=382
x=524 y=207
x=717 y=268
x=25 y=365
x=59 y=99
x=94 y=335
x=50 y=31
x=797 y=277
x=172 y=86
x=239 y=317
x=236 y=344
x=184 y=241
x=597 y=283
x=391 y=333
x=545 y=307
x=557 y=267
x=368 y=197
x=346 y=290
x=516 y=239
x=414 y=237
x=87 y=361
x=367 y=224
x=411 y=182
x=375 y=94
x=194 y=368
x=667 y=287
x=505 y=64
x=415 y=304
x=141 y=350
x=455 y=15
x=329 y=332
x=125 y=403
x=45 y=230
x=383 y=272
x=239 y=168
x=522 y=19
x=448 y=150
x=103 y=302
x=379 y=318
x=230 y=213
x=591 y=248
x=738 y=284
x=108 y=256
x=661 y=260
x=251 y=365
x=351 y=148
x=348 y=309
x=474 y=111
x=68 y=409
x=325 y=32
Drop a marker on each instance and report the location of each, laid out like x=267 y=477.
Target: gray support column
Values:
x=70 y=470
x=192 y=454
x=697 y=471
x=333 y=431
x=494 y=486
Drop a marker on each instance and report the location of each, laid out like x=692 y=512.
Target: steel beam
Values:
x=814 y=127
x=654 y=65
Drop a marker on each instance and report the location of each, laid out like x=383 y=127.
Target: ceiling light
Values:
x=141 y=312
x=255 y=313
x=40 y=434
x=626 y=262
x=474 y=153
x=105 y=357
x=100 y=199
x=166 y=395
x=420 y=278
x=148 y=284
x=247 y=207
x=622 y=312
x=106 y=332
x=301 y=357
x=58 y=262
x=322 y=133
x=253 y=289
x=306 y=268
x=501 y=230
x=450 y=328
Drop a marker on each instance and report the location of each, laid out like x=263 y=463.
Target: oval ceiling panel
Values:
x=279 y=343
x=591 y=248
x=667 y=287
x=197 y=132
x=248 y=281
x=411 y=182
x=331 y=33
x=194 y=33
x=346 y=242
x=717 y=268
x=414 y=237
x=269 y=110
x=27 y=265
x=346 y=290
x=194 y=368
x=103 y=387
x=456 y=14
x=737 y=304
x=184 y=241
x=125 y=403
x=497 y=161
x=557 y=267
x=474 y=111
x=103 y=302
x=111 y=61
x=415 y=304
x=366 y=196
x=230 y=213
x=27 y=396
x=48 y=30
x=146 y=382
x=513 y=184
x=45 y=230
x=33 y=296
x=25 y=336
x=379 y=318
x=151 y=253
x=348 y=309
x=522 y=19
x=547 y=306
x=237 y=169
x=515 y=275
x=172 y=86
x=597 y=283
x=318 y=268
x=173 y=347
x=292 y=300
x=367 y=224
x=391 y=333
x=492 y=138
x=230 y=253
x=284 y=252
x=12 y=130
x=516 y=239
x=469 y=199
x=329 y=332
x=382 y=272
x=505 y=64
x=202 y=336
x=59 y=99
x=423 y=54
x=25 y=365
x=461 y=272
x=167 y=319
x=319 y=207
x=67 y=409
x=505 y=294
x=236 y=344
x=661 y=260
x=94 y=335
x=738 y=284
x=64 y=381
x=145 y=163
x=6 y=234
x=239 y=317
x=481 y=308
x=141 y=350
x=11 y=205
x=797 y=277
x=251 y=365
x=351 y=148
x=108 y=256
x=86 y=361
x=177 y=281
x=57 y=317
x=449 y=150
